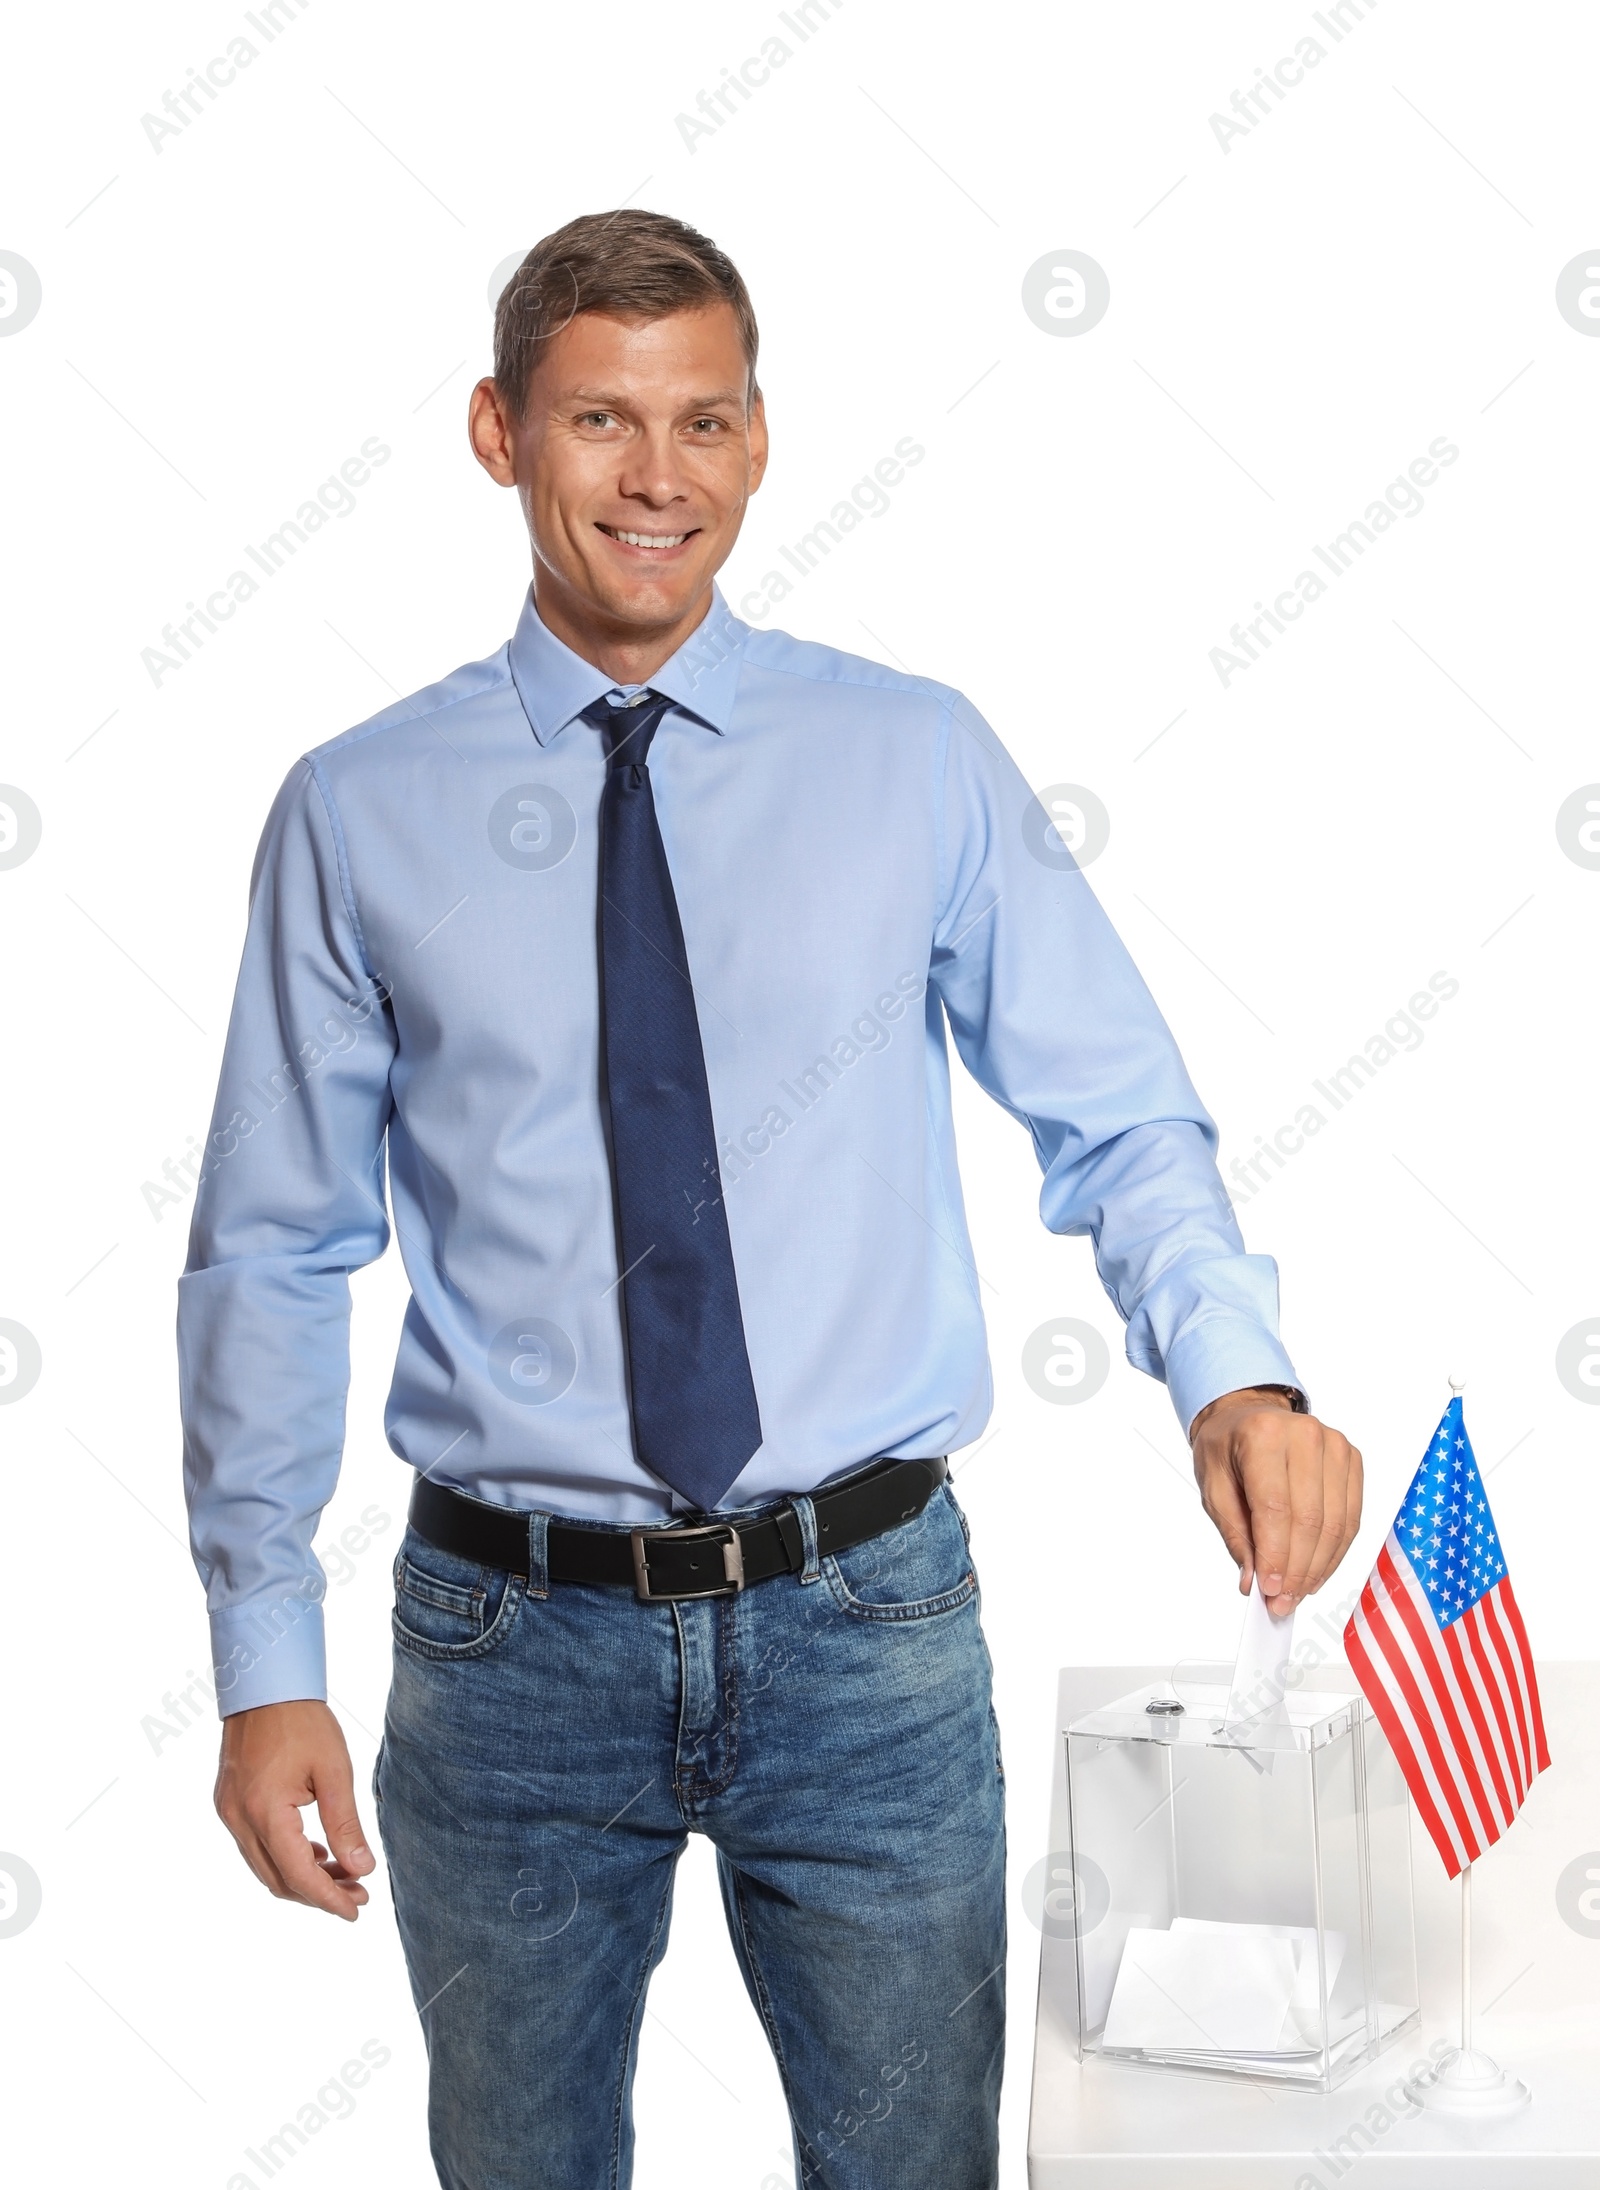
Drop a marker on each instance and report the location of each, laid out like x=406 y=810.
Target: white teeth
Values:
x=649 y=539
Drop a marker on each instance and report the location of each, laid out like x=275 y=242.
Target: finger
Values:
x=1306 y=1446
x=1330 y=1542
x=248 y=1843
x=1355 y=1487
x=332 y=1867
x=354 y=1893
x=334 y=1786
x=1264 y=1470
x=1350 y=1521
x=1219 y=1495
x=254 y=1851
x=303 y=1877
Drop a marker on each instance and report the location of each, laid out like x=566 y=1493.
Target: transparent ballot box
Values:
x=1244 y=1894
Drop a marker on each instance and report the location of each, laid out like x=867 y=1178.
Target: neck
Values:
x=628 y=653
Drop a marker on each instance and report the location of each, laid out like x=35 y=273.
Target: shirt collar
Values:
x=555 y=685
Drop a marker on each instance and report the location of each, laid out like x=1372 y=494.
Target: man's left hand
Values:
x=1283 y=1489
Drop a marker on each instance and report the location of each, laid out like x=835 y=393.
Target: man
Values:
x=633 y=947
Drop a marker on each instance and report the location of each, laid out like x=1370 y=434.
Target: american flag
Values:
x=1439 y=1649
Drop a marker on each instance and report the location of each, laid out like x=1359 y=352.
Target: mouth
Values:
x=654 y=545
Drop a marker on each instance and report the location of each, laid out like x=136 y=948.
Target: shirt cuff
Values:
x=1219 y=1355
x=269 y=1651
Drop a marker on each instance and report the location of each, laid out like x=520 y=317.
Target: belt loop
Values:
x=538 y=1555
x=806 y=1514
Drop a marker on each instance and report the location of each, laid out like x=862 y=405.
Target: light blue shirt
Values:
x=857 y=862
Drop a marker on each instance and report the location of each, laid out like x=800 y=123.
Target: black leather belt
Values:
x=664 y=1565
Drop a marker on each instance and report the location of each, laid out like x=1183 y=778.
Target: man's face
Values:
x=635 y=456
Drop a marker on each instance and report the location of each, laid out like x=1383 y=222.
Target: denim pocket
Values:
x=913 y=1572
x=450 y=1607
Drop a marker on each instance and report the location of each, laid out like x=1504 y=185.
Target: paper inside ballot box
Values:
x=1208 y=1988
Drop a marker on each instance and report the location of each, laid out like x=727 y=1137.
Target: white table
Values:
x=1113 y=2125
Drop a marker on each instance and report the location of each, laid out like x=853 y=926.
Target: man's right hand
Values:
x=275 y=1760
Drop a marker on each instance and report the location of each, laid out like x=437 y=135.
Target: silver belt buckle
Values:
x=732 y=1562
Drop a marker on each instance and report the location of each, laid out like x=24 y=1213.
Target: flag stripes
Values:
x=1439 y=1649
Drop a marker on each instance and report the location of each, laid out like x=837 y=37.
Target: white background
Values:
x=1292 y=321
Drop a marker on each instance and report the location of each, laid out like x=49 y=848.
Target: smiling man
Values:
x=649 y=930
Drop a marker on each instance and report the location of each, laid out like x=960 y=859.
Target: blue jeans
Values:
x=547 y=1750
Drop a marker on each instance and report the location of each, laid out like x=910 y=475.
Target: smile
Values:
x=653 y=541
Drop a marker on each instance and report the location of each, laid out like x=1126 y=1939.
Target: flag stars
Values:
x=1444 y=1526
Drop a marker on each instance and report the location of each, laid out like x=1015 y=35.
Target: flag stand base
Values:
x=1468 y=2085
x=1471 y=2087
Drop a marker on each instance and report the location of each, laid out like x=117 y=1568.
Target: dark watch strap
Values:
x=1298 y=1403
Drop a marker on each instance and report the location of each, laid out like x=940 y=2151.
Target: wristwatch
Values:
x=1298 y=1403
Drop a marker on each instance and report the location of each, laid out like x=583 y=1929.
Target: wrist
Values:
x=1284 y=1396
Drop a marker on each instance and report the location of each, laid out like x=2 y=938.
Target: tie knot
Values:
x=627 y=730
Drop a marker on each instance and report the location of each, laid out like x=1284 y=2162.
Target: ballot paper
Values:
x=1228 y=1994
x=1256 y=1693
x=1189 y=1991
x=1302 y=2026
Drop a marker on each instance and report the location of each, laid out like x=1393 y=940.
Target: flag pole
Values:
x=1466 y=1958
x=1457 y=1386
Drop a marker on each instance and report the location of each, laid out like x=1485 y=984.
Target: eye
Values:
x=714 y=424
x=596 y=418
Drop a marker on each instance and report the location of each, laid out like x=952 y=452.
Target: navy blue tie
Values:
x=695 y=1422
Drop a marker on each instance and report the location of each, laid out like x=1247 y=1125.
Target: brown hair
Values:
x=633 y=264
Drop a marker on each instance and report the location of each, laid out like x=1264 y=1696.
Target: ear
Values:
x=758 y=440
x=490 y=430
